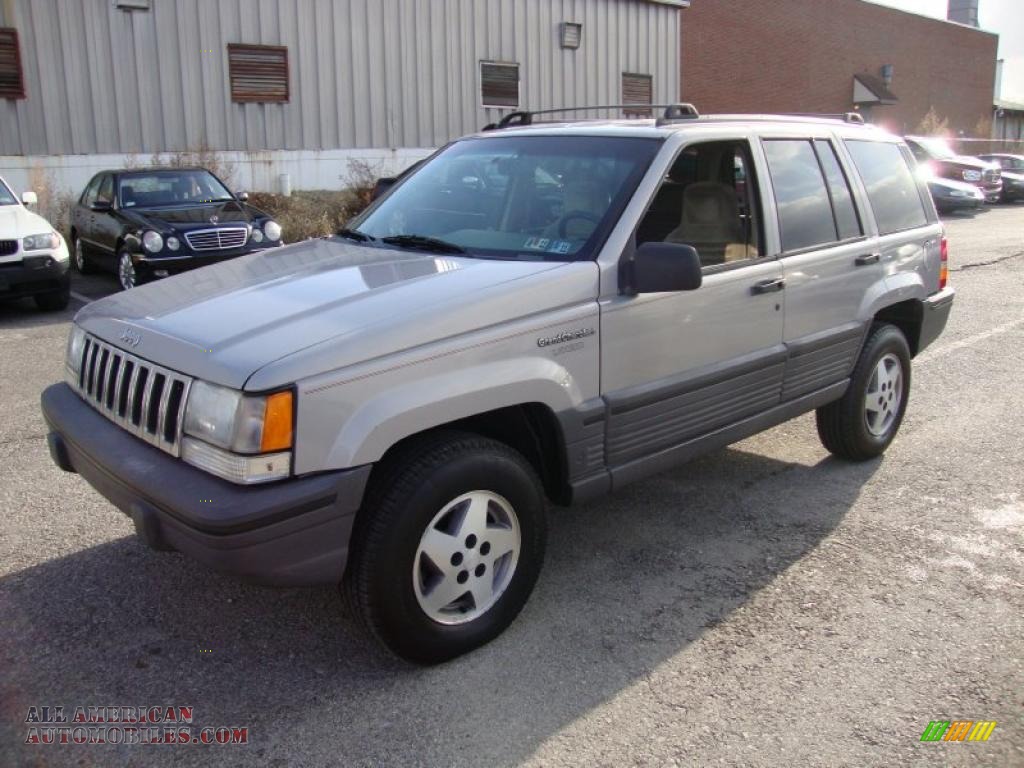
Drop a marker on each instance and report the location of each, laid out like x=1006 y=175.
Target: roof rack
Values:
x=846 y=117
x=673 y=113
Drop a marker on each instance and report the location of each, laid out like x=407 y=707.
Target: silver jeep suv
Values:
x=541 y=312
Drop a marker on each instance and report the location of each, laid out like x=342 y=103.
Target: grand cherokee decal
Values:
x=564 y=336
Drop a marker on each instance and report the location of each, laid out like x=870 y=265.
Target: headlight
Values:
x=41 y=242
x=152 y=242
x=257 y=235
x=972 y=175
x=272 y=230
x=173 y=243
x=73 y=356
x=239 y=424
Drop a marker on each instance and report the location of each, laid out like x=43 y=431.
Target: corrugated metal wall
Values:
x=364 y=73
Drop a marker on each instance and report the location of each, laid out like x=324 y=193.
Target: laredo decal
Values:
x=564 y=336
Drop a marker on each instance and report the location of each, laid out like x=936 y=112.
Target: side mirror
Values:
x=29 y=198
x=664 y=267
x=242 y=197
x=102 y=206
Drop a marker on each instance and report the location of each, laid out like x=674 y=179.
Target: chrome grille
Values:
x=143 y=398
x=992 y=176
x=217 y=239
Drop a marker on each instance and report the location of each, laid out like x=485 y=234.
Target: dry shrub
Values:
x=54 y=204
x=362 y=178
x=307 y=214
x=933 y=125
x=203 y=157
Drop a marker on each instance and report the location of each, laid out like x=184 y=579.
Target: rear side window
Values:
x=805 y=216
x=890 y=183
x=847 y=221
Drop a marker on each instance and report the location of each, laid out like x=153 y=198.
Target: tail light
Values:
x=943 y=262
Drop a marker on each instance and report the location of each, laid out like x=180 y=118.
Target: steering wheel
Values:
x=571 y=215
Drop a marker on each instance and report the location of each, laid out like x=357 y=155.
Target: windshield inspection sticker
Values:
x=537 y=244
x=560 y=246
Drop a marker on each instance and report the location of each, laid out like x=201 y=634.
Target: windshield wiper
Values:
x=355 y=234
x=424 y=243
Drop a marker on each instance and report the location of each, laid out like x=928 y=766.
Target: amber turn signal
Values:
x=277 y=423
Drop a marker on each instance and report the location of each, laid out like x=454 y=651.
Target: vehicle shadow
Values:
x=629 y=582
x=23 y=313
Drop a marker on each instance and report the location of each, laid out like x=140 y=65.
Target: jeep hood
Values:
x=224 y=322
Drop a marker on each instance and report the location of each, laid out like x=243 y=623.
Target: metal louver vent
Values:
x=258 y=73
x=499 y=84
x=12 y=79
x=637 y=89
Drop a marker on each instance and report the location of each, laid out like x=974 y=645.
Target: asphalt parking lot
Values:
x=765 y=605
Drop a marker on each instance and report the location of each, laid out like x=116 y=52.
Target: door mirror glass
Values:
x=242 y=196
x=29 y=198
x=102 y=206
x=663 y=267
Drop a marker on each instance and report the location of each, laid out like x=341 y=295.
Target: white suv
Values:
x=33 y=255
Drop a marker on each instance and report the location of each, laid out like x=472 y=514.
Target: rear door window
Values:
x=890 y=184
x=805 y=215
x=847 y=221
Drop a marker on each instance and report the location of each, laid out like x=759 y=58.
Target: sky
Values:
x=1004 y=17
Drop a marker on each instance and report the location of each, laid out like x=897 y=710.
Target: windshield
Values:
x=152 y=188
x=937 y=148
x=6 y=196
x=516 y=197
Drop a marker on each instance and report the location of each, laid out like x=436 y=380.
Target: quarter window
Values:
x=847 y=221
x=89 y=196
x=106 y=191
x=805 y=216
x=891 y=187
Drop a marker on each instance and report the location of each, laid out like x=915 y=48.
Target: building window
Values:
x=637 y=89
x=499 y=84
x=258 y=73
x=12 y=80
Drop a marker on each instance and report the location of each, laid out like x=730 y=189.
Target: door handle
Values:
x=770 y=286
x=868 y=258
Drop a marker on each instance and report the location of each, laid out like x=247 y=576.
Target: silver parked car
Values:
x=539 y=313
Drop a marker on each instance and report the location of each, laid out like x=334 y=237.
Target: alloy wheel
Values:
x=884 y=395
x=126 y=271
x=466 y=557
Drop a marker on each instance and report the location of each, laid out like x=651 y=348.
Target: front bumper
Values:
x=291 y=533
x=149 y=267
x=935 y=316
x=34 y=274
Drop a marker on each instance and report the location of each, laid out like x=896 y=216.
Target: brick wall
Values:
x=801 y=56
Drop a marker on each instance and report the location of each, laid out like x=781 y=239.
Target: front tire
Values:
x=448 y=546
x=53 y=301
x=862 y=424
x=127 y=275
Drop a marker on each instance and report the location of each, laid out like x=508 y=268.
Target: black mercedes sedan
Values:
x=148 y=223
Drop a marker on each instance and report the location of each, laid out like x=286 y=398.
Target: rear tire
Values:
x=53 y=302
x=862 y=424
x=415 y=546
